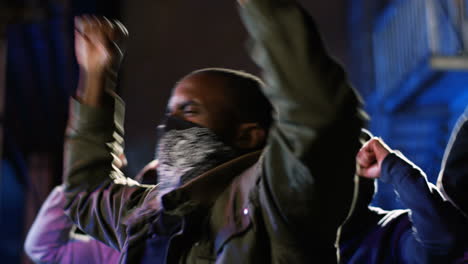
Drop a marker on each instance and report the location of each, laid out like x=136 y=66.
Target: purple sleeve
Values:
x=51 y=238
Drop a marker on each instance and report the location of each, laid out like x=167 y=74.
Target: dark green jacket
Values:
x=284 y=207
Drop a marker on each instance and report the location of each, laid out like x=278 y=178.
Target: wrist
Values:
x=92 y=72
x=387 y=165
x=91 y=87
x=381 y=150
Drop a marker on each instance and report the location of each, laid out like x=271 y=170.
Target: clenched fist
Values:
x=98 y=48
x=370 y=158
x=97 y=42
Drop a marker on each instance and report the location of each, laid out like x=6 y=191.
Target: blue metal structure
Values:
x=413 y=106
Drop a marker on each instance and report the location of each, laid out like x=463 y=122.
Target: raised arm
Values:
x=310 y=160
x=51 y=238
x=99 y=197
x=433 y=235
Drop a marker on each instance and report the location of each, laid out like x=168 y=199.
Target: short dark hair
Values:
x=250 y=102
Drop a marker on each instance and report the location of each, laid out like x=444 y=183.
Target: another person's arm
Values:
x=432 y=237
x=310 y=160
x=51 y=239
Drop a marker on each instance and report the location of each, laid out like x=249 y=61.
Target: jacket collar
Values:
x=204 y=189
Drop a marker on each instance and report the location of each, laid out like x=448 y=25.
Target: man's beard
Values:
x=186 y=150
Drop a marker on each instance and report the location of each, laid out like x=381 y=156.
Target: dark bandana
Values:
x=186 y=150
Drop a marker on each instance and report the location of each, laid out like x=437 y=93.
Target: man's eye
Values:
x=190 y=111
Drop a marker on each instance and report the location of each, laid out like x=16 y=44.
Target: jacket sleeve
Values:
x=99 y=196
x=432 y=238
x=309 y=163
x=51 y=240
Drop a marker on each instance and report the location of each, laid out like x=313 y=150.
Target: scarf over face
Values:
x=186 y=150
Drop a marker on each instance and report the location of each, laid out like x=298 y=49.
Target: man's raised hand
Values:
x=96 y=42
x=98 y=48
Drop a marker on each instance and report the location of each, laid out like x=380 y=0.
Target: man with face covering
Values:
x=424 y=233
x=235 y=184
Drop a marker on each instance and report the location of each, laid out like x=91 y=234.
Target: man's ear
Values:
x=250 y=136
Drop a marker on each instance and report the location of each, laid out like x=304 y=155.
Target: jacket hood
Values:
x=453 y=177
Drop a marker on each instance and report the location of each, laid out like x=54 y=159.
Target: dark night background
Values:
x=386 y=46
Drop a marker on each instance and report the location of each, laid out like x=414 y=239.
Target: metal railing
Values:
x=409 y=33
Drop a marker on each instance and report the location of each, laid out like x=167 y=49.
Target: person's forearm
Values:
x=99 y=196
x=90 y=88
x=431 y=216
x=93 y=140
